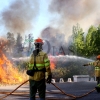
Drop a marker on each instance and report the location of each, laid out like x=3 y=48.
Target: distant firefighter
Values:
x=38 y=65
x=96 y=64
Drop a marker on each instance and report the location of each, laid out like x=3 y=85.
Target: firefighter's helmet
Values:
x=98 y=57
x=38 y=44
x=40 y=41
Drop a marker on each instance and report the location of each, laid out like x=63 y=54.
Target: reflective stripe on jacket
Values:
x=96 y=64
x=42 y=62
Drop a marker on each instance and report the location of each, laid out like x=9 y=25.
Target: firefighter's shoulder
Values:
x=42 y=53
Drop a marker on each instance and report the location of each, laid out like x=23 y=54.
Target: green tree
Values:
x=78 y=40
x=97 y=41
x=86 y=47
x=91 y=41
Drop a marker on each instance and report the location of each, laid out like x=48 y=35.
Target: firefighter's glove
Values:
x=98 y=85
x=49 y=79
x=85 y=65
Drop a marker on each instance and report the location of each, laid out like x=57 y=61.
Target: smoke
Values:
x=84 y=12
x=73 y=9
x=71 y=12
x=3 y=43
x=55 y=38
x=19 y=16
x=53 y=35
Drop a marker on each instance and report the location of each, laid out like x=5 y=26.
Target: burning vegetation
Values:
x=8 y=73
x=52 y=62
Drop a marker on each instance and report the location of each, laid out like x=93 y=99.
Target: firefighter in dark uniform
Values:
x=42 y=63
x=96 y=64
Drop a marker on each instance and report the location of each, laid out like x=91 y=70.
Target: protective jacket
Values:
x=42 y=62
x=96 y=64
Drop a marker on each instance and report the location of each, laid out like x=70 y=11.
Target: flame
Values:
x=52 y=62
x=52 y=65
x=8 y=73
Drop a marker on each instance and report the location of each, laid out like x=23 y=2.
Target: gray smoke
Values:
x=73 y=9
x=53 y=35
x=84 y=12
x=55 y=38
x=71 y=12
x=19 y=16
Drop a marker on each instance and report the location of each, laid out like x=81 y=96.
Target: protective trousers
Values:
x=37 y=85
x=98 y=80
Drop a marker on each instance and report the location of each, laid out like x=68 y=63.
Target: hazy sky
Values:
x=33 y=16
x=39 y=20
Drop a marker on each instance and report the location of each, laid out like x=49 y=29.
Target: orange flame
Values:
x=52 y=65
x=52 y=62
x=8 y=73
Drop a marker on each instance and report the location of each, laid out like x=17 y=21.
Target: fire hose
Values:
x=14 y=90
x=70 y=95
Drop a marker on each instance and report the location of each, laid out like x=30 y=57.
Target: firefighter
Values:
x=37 y=81
x=96 y=64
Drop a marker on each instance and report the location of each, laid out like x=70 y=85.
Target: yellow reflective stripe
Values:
x=97 y=69
x=47 y=64
x=39 y=65
x=31 y=65
x=45 y=60
x=91 y=63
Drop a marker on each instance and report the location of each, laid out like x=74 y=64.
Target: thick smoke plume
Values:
x=19 y=16
x=84 y=12
x=73 y=9
x=55 y=38
x=53 y=35
x=71 y=12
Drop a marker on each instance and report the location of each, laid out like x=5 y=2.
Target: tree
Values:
x=91 y=41
x=78 y=40
x=86 y=47
x=29 y=42
x=11 y=42
x=19 y=47
x=97 y=41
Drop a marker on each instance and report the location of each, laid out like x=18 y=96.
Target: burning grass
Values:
x=8 y=73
